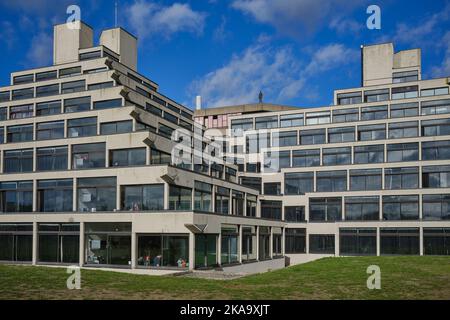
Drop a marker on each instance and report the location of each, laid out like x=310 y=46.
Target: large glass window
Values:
x=357 y=241
x=222 y=200
x=298 y=183
x=401 y=178
x=55 y=195
x=264 y=243
x=284 y=138
x=362 y=208
x=337 y=156
x=106 y=104
x=229 y=244
x=401 y=207
x=439 y=127
x=48 y=108
x=316 y=136
x=294 y=214
x=349 y=98
x=369 y=154
x=313 y=118
x=82 y=127
x=16 y=242
x=5 y=96
x=59 y=243
x=203 y=196
x=345 y=134
x=238 y=126
x=96 y=194
x=77 y=104
x=436 y=241
x=331 y=181
x=274 y=160
x=26 y=78
x=74 y=86
x=50 y=130
x=127 y=157
x=295 y=240
x=345 y=115
x=405 y=92
x=266 y=122
x=47 y=75
x=143 y=197
x=21 y=112
x=20 y=133
x=291 y=120
x=325 y=209
x=271 y=209
x=254 y=142
x=101 y=85
x=436 y=177
x=159 y=157
x=403 y=129
x=402 y=110
x=403 y=152
x=18 y=161
x=372 y=132
x=160 y=250
x=16 y=196
x=89 y=155
x=116 y=127
x=365 y=179
x=272 y=188
x=248 y=243
x=434 y=92
x=45 y=91
x=251 y=205
x=405 y=76
x=3 y=113
x=321 y=243
x=68 y=72
x=436 y=150
x=20 y=94
x=306 y=158
x=436 y=206
x=399 y=241
x=435 y=107
x=376 y=95
x=374 y=113
x=180 y=198
x=51 y=158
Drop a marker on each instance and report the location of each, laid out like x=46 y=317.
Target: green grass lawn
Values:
x=330 y=278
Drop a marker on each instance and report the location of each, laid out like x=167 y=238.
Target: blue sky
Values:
x=296 y=51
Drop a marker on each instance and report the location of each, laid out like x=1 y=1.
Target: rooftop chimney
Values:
x=198 y=102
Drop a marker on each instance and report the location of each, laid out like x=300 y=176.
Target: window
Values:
x=96 y=194
x=89 y=155
x=295 y=240
x=229 y=244
x=2 y=135
x=116 y=127
x=436 y=177
x=251 y=182
x=230 y=174
x=18 y=161
x=313 y=118
x=294 y=214
x=345 y=115
x=106 y=104
x=101 y=85
x=365 y=179
x=90 y=55
x=143 y=197
x=376 y=95
x=316 y=136
x=253 y=167
x=349 y=98
x=127 y=157
x=306 y=158
x=405 y=76
x=399 y=241
x=440 y=127
x=291 y=120
x=45 y=91
x=251 y=205
x=336 y=135
x=48 y=108
x=321 y=243
x=48 y=75
x=358 y=241
x=374 y=113
x=284 y=138
x=55 y=195
x=238 y=126
x=5 y=96
x=405 y=92
x=180 y=198
x=144 y=127
x=202 y=196
x=20 y=133
x=331 y=181
x=272 y=188
x=254 y=142
x=160 y=250
x=372 y=132
x=264 y=243
x=158 y=100
x=51 y=158
x=26 y=78
x=403 y=152
x=16 y=196
x=436 y=241
x=271 y=209
x=433 y=92
x=436 y=206
x=325 y=209
x=403 y=129
x=274 y=161
x=404 y=110
x=237 y=203
x=436 y=150
x=362 y=208
x=21 y=112
x=3 y=113
x=369 y=154
x=50 y=130
x=266 y=122
x=21 y=94
x=337 y=156
x=16 y=241
x=159 y=157
x=401 y=178
x=68 y=72
x=217 y=170
x=435 y=107
x=73 y=86
x=154 y=110
x=82 y=127
x=298 y=183
x=222 y=200
x=401 y=207
x=77 y=104
x=165 y=131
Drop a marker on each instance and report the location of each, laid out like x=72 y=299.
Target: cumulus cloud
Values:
x=147 y=18
x=275 y=71
x=40 y=52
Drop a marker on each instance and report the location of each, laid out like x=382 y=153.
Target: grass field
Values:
x=330 y=278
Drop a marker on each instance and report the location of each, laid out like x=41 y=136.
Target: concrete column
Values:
x=191 y=251
x=271 y=243
x=35 y=204
x=82 y=249
x=69 y=157
x=336 y=243
x=74 y=195
x=133 y=250
x=166 y=196
x=117 y=197
x=307 y=241
x=240 y=244
x=257 y=242
x=283 y=241
x=219 y=249
x=378 y=242
x=421 y=241
x=35 y=243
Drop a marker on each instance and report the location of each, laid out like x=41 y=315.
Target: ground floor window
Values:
x=59 y=242
x=16 y=242
x=295 y=240
x=436 y=241
x=264 y=243
x=277 y=242
x=248 y=243
x=160 y=250
x=358 y=241
x=399 y=240
x=321 y=243
x=229 y=244
x=205 y=250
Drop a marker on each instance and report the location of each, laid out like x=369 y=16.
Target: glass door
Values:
x=205 y=250
x=119 y=250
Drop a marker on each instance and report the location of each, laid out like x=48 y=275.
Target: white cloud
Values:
x=7 y=34
x=275 y=71
x=147 y=18
x=41 y=50
x=443 y=70
x=221 y=34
